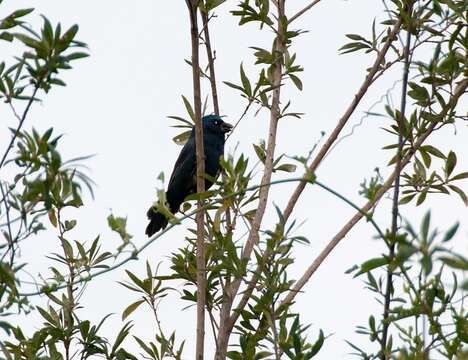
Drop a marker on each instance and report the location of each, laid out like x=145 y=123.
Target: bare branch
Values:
x=461 y=89
x=370 y=78
x=301 y=12
x=226 y=325
x=200 y=155
x=396 y=193
x=211 y=67
x=21 y=122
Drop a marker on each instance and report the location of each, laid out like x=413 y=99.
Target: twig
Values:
x=11 y=242
x=396 y=193
x=21 y=122
x=344 y=119
x=211 y=67
x=301 y=12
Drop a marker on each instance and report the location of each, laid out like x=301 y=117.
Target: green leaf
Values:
x=68 y=37
x=406 y=199
x=458 y=262
x=351 y=269
x=234 y=86
x=260 y=151
x=182 y=138
x=296 y=81
x=28 y=41
x=290 y=168
x=460 y=193
x=371 y=265
x=77 y=55
x=434 y=151
x=21 y=12
x=131 y=308
x=119 y=225
x=353 y=46
x=422 y=196
x=450 y=163
x=464 y=286
x=189 y=108
x=356 y=37
x=317 y=346
x=418 y=93
x=47 y=31
x=6 y=36
x=200 y=196
x=52 y=218
x=70 y=224
x=460 y=176
x=425 y=224
x=451 y=232
x=211 y=4
x=245 y=82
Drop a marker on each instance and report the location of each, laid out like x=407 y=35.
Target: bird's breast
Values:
x=214 y=148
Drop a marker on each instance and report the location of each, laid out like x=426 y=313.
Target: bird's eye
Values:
x=217 y=122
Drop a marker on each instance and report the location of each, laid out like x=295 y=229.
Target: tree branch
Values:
x=200 y=155
x=461 y=89
x=301 y=12
x=211 y=67
x=226 y=324
x=21 y=122
x=370 y=78
x=396 y=193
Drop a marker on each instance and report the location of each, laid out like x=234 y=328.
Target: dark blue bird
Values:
x=183 y=180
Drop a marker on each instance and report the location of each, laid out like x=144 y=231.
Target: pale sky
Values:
x=116 y=106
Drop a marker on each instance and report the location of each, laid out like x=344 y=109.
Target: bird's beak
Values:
x=226 y=127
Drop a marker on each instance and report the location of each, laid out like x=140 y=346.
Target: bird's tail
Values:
x=157 y=222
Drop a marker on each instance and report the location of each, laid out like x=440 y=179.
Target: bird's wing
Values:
x=185 y=163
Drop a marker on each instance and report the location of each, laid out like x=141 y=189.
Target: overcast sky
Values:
x=116 y=106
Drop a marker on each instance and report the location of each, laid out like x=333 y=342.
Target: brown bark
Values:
x=200 y=156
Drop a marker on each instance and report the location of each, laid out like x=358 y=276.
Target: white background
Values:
x=116 y=106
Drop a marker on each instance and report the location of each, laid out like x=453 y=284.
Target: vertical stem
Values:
x=396 y=193
x=211 y=68
x=214 y=90
x=69 y=305
x=275 y=332
x=225 y=324
x=223 y=337
x=200 y=217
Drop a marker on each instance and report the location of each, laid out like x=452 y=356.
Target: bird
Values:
x=183 y=181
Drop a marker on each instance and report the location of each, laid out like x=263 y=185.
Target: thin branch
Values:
x=224 y=331
x=301 y=12
x=214 y=90
x=344 y=119
x=21 y=122
x=211 y=67
x=11 y=242
x=396 y=193
x=461 y=89
x=270 y=151
x=200 y=154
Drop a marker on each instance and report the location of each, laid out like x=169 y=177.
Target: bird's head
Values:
x=215 y=125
